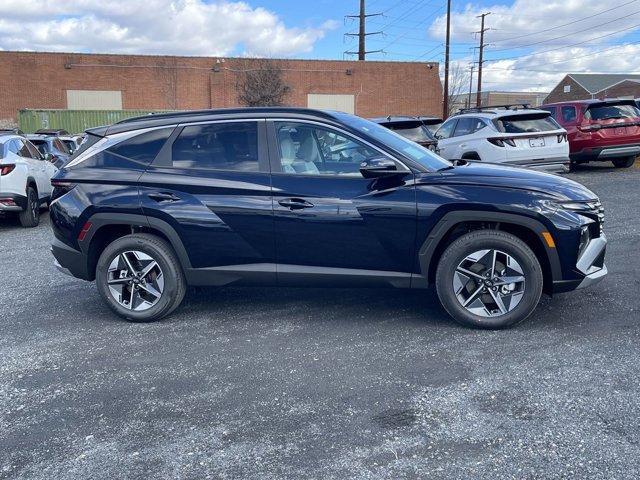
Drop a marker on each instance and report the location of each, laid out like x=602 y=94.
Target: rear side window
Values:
x=529 y=123
x=220 y=146
x=141 y=149
x=569 y=113
x=609 y=111
x=467 y=126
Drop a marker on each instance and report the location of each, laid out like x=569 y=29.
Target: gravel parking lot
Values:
x=293 y=383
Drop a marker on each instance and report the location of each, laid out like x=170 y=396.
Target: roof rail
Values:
x=510 y=106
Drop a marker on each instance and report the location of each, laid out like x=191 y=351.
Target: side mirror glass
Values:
x=49 y=157
x=378 y=167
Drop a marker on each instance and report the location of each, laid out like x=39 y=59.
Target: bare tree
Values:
x=458 y=87
x=262 y=86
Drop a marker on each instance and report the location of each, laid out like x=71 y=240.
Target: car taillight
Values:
x=562 y=138
x=7 y=169
x=501 y=142
x=8 y=202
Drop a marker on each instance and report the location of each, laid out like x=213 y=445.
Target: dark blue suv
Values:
x=298 y=197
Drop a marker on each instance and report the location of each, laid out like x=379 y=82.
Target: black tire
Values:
x=159 y=250
x=624 y=162
x=30 y=216
x=489 y=239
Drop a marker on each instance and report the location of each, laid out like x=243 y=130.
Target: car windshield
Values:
x=400 y=144
x=415 y=132
x=529 y=123
x=608 y=112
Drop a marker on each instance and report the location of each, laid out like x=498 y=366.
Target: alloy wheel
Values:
x=489 y=283
x=135 y=280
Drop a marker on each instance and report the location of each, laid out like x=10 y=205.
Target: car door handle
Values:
x=295 y=203
x=164 y=197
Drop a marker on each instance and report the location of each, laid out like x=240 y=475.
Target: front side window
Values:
x=310 y=150
x=60 y=146
x=220 y=146
x=33 y=150
x=446 y=130
x=41 y=145
x=23 y=150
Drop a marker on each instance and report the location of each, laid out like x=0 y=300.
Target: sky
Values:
x=530 y=44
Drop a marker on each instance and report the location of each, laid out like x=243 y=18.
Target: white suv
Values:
x=507 y=134
x=25 y=179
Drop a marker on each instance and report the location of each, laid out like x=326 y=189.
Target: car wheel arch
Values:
x=107 y=227
x=471 y=156
x=454 y=224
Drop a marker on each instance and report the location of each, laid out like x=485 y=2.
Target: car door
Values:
x=36 y=169
x=446 y=144
x=211 y=184
x=332 y=225
x=47 y=168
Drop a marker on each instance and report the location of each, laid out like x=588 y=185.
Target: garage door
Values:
x=94 y=99
x=342 y=103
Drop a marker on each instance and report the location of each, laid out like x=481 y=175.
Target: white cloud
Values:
x=536 y=53
x=180 y=27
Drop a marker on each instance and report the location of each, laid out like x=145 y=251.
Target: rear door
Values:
x=332 y=225
x=211 y=184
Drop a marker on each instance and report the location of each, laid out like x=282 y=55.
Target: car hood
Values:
x=496 y=175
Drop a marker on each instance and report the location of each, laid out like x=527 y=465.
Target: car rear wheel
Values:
x=30 y=216
x=140 y=278
x=624 y=162
x=489 y=279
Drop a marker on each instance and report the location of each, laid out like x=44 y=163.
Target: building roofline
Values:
x=572 y=78
x=618 y=83
x=214 y=57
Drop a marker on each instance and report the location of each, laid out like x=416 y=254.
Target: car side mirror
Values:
x=378 y=167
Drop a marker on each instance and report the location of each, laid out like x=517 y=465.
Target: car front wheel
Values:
x=489 y=279
x=140 y=278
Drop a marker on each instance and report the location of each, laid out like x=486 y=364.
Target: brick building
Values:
x=583 y=86
x=103 y=81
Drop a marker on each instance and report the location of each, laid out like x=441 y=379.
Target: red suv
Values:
x=600 y=130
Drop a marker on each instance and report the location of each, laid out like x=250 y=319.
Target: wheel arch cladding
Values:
x=108 y=227
x=455 y=224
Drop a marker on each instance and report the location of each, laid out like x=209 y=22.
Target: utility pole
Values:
x=480 y=61
x=362 y=32
x=470 y=86
x=445 y=103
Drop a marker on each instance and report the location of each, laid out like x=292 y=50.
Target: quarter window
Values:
x=220 y=146
x=309 y=150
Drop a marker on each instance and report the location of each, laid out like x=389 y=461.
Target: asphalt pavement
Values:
x=270 y=383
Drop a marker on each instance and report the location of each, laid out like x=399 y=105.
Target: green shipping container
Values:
x=74 y=121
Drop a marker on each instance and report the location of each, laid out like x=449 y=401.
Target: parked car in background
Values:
x=409 y=127
x=72 y=142
x=52 y=131
x=51 y=147
x=301 y=197
x=25 y=179
x=511 y=134
x=13 y=130
x=432 y=123
x=600 y=130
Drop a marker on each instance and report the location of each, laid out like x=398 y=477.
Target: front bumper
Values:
x=590 y=266
x=605 y=153
x=554 y=165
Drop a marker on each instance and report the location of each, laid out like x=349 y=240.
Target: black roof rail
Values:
x=197 y=113
x=510 y=106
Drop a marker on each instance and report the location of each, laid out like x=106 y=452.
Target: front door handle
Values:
x=295 y=203
x=164 y=197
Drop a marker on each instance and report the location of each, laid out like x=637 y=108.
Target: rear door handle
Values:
x=295 y=203
x=164 y=197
